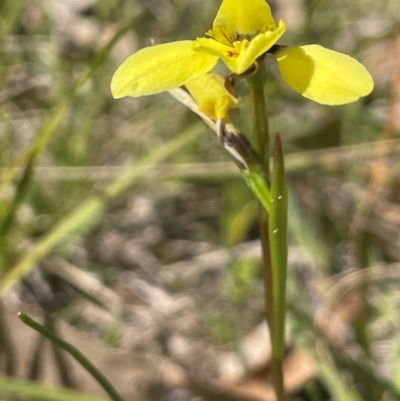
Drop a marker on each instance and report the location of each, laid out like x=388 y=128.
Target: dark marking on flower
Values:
x=242 y=37
x=230 y=84
x=237 y=145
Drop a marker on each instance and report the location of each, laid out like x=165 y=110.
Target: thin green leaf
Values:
x=75 y=353
x=278 y=243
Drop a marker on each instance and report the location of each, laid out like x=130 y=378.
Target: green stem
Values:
x=262 y=146
x=278 y=243
x=260 y=118
x=74 y=352
x=256 y=181
x=261 y=143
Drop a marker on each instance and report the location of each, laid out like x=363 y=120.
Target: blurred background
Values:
x=125 y=227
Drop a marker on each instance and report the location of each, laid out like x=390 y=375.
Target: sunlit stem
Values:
x=262 y=145
x=260 y=118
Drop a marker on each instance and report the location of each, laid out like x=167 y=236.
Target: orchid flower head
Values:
x=242 y=32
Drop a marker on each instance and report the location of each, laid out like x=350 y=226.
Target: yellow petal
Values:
x=241 y=56
x=211 y=46
x=213 y=99
x=323 y=75
x=257 y=46
x=159 y=68
x=243 y=17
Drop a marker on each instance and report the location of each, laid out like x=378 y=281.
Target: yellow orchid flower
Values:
x=211 y=96
x=242 y=32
